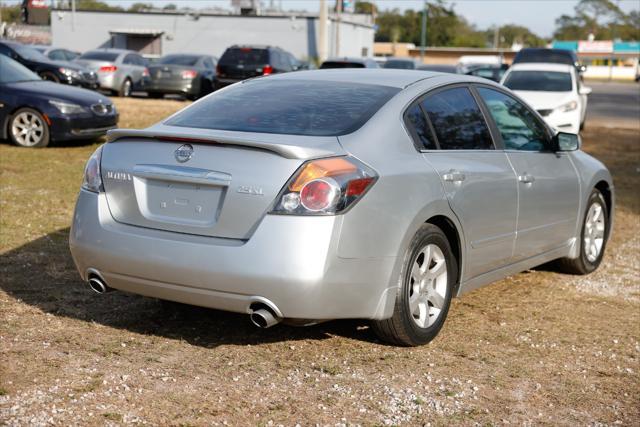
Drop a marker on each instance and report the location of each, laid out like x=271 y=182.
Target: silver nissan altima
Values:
x=375 y=194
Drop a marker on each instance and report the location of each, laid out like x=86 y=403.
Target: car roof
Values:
x=113 y=50
x=375 y=76
x=347 y=59
x=541 y=66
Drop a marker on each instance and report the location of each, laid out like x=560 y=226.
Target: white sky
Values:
x=537 y=15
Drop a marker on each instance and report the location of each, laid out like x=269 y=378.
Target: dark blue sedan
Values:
x=34 y=112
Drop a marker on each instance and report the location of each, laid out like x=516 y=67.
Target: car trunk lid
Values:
x=209 y=183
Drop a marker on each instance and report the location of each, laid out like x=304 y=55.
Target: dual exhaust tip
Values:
x=262 y=315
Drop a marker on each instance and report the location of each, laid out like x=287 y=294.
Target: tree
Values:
x=170 y=6
x=366 y=7
x=10 y=14
x=140 y=7
x=602 y=18
x=96 y=5
x=511 y=33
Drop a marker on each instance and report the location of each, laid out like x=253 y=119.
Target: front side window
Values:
x=457 y=120
x=295 y=107
x=519 y=127
x=418 y=126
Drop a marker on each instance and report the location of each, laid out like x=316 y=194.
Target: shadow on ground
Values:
x=41 y=274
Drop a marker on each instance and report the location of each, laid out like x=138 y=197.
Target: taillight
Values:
x=266 y=70
x=108 y=69
x=189 y=74
x=145 y=72
x=218 y=70
x=325 y=187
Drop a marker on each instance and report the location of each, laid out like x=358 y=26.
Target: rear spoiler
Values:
x=317 y=147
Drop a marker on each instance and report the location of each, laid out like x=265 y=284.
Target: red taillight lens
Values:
x=266 y=70
x=108 y=69
x=218 y=70
x=325 y=187
x=189 y=74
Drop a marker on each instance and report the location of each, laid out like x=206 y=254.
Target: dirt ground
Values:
x=536 y=348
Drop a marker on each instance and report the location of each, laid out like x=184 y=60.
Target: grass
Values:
x=538 y=347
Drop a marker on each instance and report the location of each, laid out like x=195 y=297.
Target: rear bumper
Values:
x=183 y=87
x=291 y=262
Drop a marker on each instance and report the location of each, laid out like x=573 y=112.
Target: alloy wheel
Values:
x=594 y=228
x=27 y=129
x=428 y=286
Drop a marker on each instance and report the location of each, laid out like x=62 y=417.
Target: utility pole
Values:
x=73 y=15
x=337 y=32
x=322 y=32
x=423 y=32
x=496 y=37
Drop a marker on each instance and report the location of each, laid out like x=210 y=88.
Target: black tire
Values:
x=126 y=88
x=20 y=120
x=155 y=95
x=582 y=264
x=401 y=328
x=50 y=77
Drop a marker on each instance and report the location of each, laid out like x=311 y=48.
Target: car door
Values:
x=477 y=178
x=548 y=186
x=135 y=70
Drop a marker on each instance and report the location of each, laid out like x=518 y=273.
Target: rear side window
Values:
x=418 y=126
x=99 y=56
x=314 y=108
x=457 y=120
x=244 y=56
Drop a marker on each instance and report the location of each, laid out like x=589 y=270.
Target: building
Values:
x=606 y=59
x=161 y=33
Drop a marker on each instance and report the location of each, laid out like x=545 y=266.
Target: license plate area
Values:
x=170 y=202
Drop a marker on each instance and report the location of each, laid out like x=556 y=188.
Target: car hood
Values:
x=545 y=100
x=50 y=90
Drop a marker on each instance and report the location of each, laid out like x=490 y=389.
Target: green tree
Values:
x=511 y=33
x=10 y=13
x=170 y=6
x=95 y=5
x=602 y=18
x=365 y=7
x=140 y=7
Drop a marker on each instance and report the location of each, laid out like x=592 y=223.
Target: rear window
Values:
x=554 y=56
x=400 y=65
x=245 y=56
x=313 y=108
x=341 y=64
x=542 y=81
x=99 y=56
x=188 y=60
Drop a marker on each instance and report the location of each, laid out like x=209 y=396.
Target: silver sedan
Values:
x=376 y=194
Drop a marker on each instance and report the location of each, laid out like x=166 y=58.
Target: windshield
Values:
x=313 y=108
x=30 y=53
x=399 y=64
x=96 y=55
x=542 y=81
x=245 y=56
x=189 y=60
x=13 y=72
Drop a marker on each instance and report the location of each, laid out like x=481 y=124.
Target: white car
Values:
x=554 y=90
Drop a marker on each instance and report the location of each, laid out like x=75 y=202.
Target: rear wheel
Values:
x=593 y=237
x=28 y=128
x=428 y=277
x=125 y=89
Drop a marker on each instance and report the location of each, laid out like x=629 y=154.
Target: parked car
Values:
x=189 y=75
x=34 y=112
x=401 y=63
x=440 y=68
x=316 y=195
x=239 y=63
x=346 y=62
x=491 y=72
x=554 y=90
x=56 y=53
x=119 y=71
x=54 y=71
x=547 y=56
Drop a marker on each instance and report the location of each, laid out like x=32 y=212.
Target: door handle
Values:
x=526 y=178
x=453 y=176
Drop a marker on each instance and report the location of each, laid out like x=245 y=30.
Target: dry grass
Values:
x=537 y=348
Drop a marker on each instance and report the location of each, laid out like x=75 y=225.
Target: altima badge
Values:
x=184 y=153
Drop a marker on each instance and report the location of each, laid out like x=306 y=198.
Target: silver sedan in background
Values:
x=119 y=71
x=376 y=194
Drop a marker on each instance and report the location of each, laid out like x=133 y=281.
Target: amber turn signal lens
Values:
x=320 y=169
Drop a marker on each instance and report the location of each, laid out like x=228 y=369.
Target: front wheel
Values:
x=593 y=237
x=28 y=128
x=427 y=279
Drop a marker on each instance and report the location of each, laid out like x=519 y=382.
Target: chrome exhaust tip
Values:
x=264 y=318
x=98 y=286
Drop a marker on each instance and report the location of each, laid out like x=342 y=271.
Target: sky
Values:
x=538 y=15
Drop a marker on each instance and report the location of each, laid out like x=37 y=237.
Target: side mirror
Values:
x=567 y=141
x=584 y=90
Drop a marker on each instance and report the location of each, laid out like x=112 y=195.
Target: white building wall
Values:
x=207 y=34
